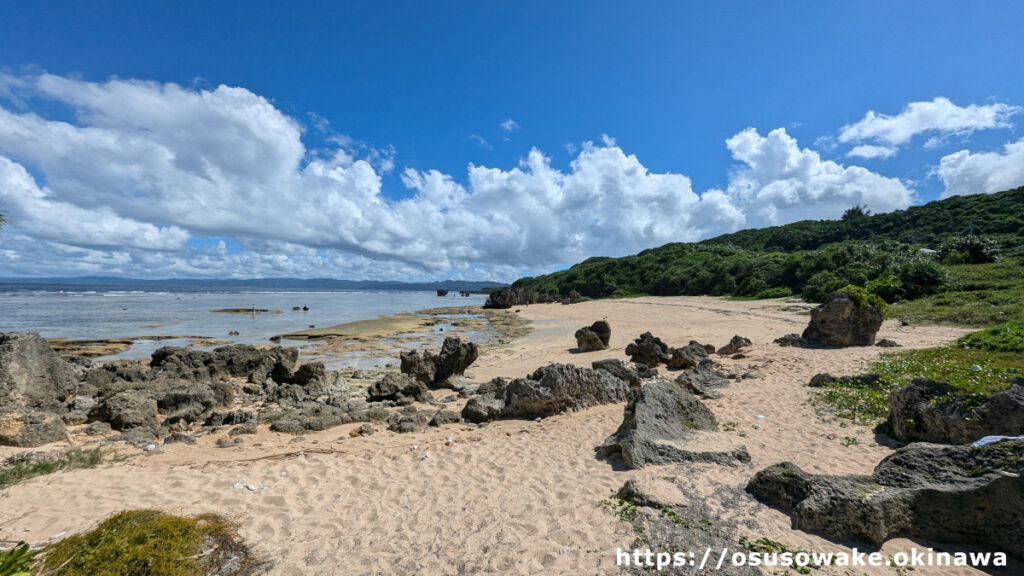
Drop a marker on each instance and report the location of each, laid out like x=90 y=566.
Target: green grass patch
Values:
x=978 y=295
x=1007 y=337
x=868 y=405
x=17 y=561
x=22 y=467
x=149 y=543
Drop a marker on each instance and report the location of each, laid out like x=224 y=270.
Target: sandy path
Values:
x=515 y=498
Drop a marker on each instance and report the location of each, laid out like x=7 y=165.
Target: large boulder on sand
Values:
x=632 y=373
x=663 y=424
x=127 y=410
x=549 y=390
x=843 y=321
x=692 y=355
x=434 y=370
x=401 y=389
x=648 y=349
x=735 y=345
x=593 y=337
x=702 y=381
x=930 y=411
x=960 y=495
x=32 y=375
x=235 y=361
x=30 y=429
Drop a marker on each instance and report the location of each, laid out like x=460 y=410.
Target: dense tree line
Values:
x=897 y=256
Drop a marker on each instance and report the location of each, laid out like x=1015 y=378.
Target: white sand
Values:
x=517 y=498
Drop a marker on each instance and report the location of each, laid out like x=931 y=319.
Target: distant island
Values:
x=82 y=283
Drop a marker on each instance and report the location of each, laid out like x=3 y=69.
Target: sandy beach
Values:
x=514 y=497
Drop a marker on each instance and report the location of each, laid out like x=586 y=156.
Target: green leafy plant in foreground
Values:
x=17 y=561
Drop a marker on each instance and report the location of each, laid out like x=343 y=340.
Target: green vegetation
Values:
x=1008 y=337
x=17 y=561
x=766 y=545
x=957 y=260
x=976 y=295
x=149 y=543
x=974 y=374
x=22 y=467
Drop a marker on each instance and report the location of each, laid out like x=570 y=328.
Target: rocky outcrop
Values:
x=509 y=297
x=930 y=411
x=648 y=349
x=400 y=389
x=961 y=495
x=794 y=340
x=663 y=423
x=434 y=370
x=188 y=403
x=651 y=351
x=593 y=337
x=408 y=420
x=692 y=355
x=734 y=346
x=28 y=429
x=702 y=381
x=841 y=322
x=550 y=390
x=128 y=410
x=632 y=373
x=235 y=361
x=824 y=380
x=32 y=375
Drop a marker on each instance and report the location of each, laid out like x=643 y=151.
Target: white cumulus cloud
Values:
x=142 y=168
x=967 y=172
x=940 y=117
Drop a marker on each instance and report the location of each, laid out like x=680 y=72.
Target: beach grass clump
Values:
x=24 y=466
x=150 y=543
x=975 y=374
x=1006 y=337
x=16 y=561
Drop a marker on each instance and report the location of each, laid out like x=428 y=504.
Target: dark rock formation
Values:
x=887 y=343
x=442 y=292
x=235 y=361
x=930 y=411
x=230 y=418
x=702 y=381
x=408 y=420
x=189 y=403
x=128 y=410
x=32 y=375
x=509 y=297
x=794 y=340
x=632 y=373
x=29 y=429
x=692 y=355
x=445 y=416
x=735 y=345
x=967 y=496
x=549 y=390
x=840 y=322
x=825 y=379
x=401 y=389
x=663 y=424
x=434 y=369
x=593 y=337
x=648 y=350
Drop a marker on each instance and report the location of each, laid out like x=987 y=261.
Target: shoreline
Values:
x=529 y=493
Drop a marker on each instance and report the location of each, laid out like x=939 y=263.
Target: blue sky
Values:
x=410 y=89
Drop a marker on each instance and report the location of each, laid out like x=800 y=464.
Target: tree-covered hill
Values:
x=965 y=243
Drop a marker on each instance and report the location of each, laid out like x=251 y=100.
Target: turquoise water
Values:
x=113 y=313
